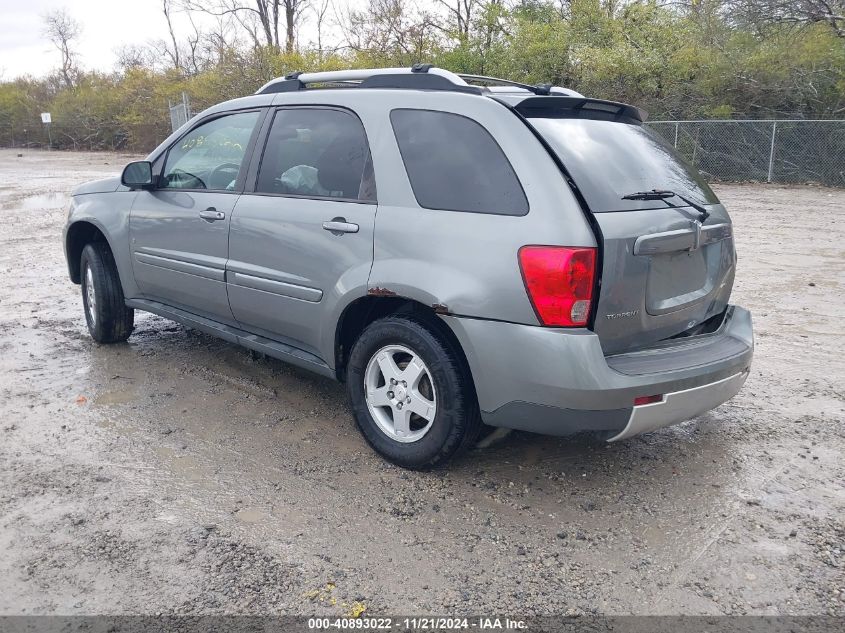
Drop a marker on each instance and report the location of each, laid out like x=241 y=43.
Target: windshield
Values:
x=609 y=159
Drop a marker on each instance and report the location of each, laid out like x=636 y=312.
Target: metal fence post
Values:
x=772 y=151
x=677 y=124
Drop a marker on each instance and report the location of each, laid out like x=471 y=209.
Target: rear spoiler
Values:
x=578 y=107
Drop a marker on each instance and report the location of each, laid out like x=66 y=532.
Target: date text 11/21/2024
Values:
x=417 y=624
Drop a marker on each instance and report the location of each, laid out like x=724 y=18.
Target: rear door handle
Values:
x=340 y=225
x=212 y=215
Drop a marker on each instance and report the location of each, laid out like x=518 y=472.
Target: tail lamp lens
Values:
x=559 y=281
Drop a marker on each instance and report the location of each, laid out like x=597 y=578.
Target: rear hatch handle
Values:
x=690 y=239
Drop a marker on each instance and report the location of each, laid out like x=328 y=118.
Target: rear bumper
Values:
x=558 y=381
x=681 y=405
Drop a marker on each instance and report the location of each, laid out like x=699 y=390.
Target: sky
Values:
x=106 y=26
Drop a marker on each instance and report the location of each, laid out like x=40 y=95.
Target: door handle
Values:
x=212 y=215
x=340 y=225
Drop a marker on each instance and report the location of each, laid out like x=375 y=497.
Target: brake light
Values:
x=559 y=281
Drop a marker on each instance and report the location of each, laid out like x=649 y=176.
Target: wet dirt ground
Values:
x=177 y=473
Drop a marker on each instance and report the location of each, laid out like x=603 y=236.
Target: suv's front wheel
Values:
x=108 y=318
x=410 y=392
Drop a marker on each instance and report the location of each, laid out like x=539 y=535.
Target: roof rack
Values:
x=539 y=89
x=418 y=76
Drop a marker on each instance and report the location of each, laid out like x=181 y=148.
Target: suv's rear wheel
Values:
x=108 y=318
x=410 y=393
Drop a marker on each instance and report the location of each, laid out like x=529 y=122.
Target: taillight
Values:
x=559 y=281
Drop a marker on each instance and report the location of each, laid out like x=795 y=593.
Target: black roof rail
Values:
x=417 y=80
x=504 y=82
x=539 y=89
x=281 y=85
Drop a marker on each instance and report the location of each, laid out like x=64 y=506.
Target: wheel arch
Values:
x=79 y=234
x=376 y=305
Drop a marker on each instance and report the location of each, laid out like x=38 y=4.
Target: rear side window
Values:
x=317 y=153
x=612 y=159
x=454 y=164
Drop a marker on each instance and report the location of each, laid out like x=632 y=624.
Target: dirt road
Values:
x=177 y=473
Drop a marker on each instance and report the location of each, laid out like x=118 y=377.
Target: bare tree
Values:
x=491 y=27
x=378 y=27
x=461 y=14
x=167 y=9
x=63 y=31
x=320 y=12
x=218 y=41
x=260 y=18
x=134 y=56
x=196 y=48
x=293 y=13
x=387 y=28
x=799 y=12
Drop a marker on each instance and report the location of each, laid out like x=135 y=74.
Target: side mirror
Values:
x=138 y=175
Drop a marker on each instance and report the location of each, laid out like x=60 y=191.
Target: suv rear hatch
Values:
x=666 y=269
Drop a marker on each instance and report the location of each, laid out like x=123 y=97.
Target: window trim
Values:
x=248 y=152
x=297 y=196
x=492 y=138
x=255 y=168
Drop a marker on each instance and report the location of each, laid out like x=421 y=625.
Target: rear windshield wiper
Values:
x=663 y=194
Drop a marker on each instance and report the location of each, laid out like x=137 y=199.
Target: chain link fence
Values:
x=63 y=136
x=180 y=113
x=787 y=151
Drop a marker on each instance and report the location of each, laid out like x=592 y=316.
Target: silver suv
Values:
x=459 y=250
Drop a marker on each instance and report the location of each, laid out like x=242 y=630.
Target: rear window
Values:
x=454 y=164
x=609 y=159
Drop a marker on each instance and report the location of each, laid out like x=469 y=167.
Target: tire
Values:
x=108 y=319
x=454 y=423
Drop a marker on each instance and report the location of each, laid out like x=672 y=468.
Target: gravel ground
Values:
x=180 y=474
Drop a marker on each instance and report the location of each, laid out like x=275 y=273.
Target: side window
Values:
x=210 y=156
x=454 y=164
x=319 y=153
